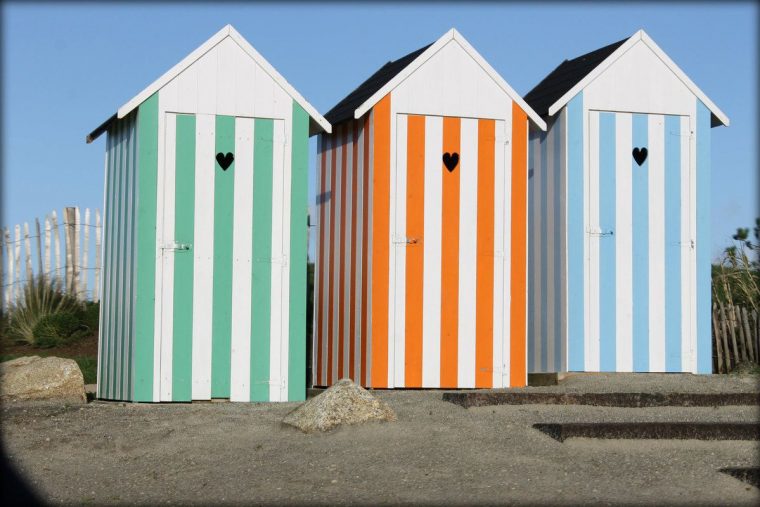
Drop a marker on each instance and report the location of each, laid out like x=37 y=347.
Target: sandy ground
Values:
x=436 y=453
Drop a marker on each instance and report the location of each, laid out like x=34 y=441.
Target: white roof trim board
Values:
x=427 y=54
x=642 y=36
x=227 y=31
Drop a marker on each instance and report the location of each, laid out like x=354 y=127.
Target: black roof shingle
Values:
x=344 y=110
x=565 y=76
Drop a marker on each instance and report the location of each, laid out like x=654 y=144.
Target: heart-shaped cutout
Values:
x=640 y=155
x=225 y=161
x=450 y=160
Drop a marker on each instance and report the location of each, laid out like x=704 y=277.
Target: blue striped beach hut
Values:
x=204 y=253
x=619 y=214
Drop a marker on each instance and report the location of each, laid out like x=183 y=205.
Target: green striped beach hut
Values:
x=204 y=250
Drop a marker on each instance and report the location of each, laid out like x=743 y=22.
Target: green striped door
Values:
x=222 y=315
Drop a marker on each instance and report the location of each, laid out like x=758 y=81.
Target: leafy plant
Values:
x=736 y=279
x=42 y=299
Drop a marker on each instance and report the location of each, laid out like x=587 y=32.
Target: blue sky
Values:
x=68 y=67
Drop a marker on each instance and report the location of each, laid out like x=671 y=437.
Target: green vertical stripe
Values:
x=184 y=206
x=224 y=187
x=299 y=141
x=147 y=169
x=261 y=286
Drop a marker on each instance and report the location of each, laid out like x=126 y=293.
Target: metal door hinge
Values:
x=597 y=231
x=403 y=240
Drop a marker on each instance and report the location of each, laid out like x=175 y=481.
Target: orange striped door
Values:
x=446 y=326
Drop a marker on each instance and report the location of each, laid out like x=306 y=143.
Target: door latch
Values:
x=177 y=246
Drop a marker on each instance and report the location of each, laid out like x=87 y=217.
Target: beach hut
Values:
x=619 y=262
x=422 y=214
x=204 y=254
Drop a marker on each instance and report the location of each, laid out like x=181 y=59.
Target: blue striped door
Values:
x=640 y=257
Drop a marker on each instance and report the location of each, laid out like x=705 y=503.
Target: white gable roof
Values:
x=432 y=50
x=642 y=37
x=217 y=38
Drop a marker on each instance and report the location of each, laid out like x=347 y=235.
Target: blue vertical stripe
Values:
x=640 y=240
x=532 y=164
x=704 y=340
x=558 y=252
x=673 y=244
x=544 y=247
x=575 y=203
x=607 y=269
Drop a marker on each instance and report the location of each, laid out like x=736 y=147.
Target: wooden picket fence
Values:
x=19 y=264
x=736 y=336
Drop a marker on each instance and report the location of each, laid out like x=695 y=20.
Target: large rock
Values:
x=343 y=403
x=36 y=378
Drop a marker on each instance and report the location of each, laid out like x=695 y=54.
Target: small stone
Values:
x=343 y=403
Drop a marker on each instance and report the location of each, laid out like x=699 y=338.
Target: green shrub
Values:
x=41 y=298
x=59 y=328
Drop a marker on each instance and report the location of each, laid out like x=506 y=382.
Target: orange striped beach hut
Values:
x=420 y=277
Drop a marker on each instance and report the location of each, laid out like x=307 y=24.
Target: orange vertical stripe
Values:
x=331 y=278
x=518 y=336
x=485 y=259
x=365 y=242
x=380 y=240
x=322 y=264
x=450 y=257
x=352 y=294
x=415 y=227
x=342 y=252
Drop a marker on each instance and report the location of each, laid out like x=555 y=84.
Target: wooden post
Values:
x=18 y=290
x=716 y=335
x=39 y=246
x=96 y=288
x=57 y=247
x=9 y=299
x=28 y=252
x=748 y=335
x=47 y=248
x=69 y=216
x=85 y=252
x=742 y=338
x=724 y=333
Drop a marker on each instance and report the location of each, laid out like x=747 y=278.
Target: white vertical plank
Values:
x=57 y=247
x=537 y=213
x=335 y=286
x=28 y=253
x=396 y=373
x=468 y=247
x=85 y=252
x=240 y=344
x=17 y=261
x=98 y=257
x=38 y=237
x=550 y=248
x=9 y=296
x=203 y=265
x=687 y=339
x=275 y=337
x=591 y=350
x=226 y=70
x=431 y=275
x=264 y=106
x=207 y=76
x=656 y=205
x=623 y=244
x=77 y=253
x=166 y=282
x=287 y=169
x=328 y=203
x=46 y=266
x=502 y=177
x=359 y=172
x=245 y=81
x=69 y=260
